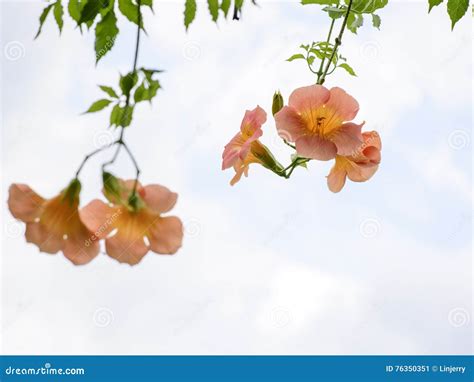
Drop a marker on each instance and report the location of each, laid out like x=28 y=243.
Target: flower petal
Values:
x=308 y=98
x=24 y=203
x=166 y=235
x=159 y=199
x=372 y=138
x=80 y=248
x=99 y=218
x=337 y=176
x=289 y=124
x=314 y=147
x=38 y=234
x=361 y=172
x=348 y=139
x=252 y=121
x=344 y=105
x=126 y=249
x=232 y=151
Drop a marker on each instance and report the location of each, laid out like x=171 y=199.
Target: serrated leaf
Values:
x=43 y=17
x=126 y=115
x=75 y=9
x=433 y=3
x=213 y=9
x=110 y=91
x=115 y=115
x=98 y=105
x=354 y=22
x=129 y=10
x=127 y=82
x=298 y=56
x=348 y=69
x=105 y=33
x=90 y=10
x=320 y=2
x=189 y=12
x=225 y=6
x=367 y=6
x=58 y=14
x=376 y=21
x=456 y=10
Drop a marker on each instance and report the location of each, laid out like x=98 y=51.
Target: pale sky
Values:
x=268 y=266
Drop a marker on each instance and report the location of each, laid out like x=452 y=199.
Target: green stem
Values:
x=337 y=43
x=320 y=71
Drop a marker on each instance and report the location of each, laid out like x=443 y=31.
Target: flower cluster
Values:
x=317 y=123
x=131 y=223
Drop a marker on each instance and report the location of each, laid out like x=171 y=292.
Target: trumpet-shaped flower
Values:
x=54 y=224
x=358 y=167
x=133 y=226
x=245 y=148
x=317 y=120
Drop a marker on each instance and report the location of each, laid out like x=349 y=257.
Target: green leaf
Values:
x=127 y=82
x=90 y=10
x=213 y=9
x=58 y=14
x=130 y=11
x=189 y=12
x=433 y=3
x=126 y=115
x=348 y=69
x=298 y=56
x=225 y=6
x=335 y=12
x=367 y=6
x=456 y=10
x=98 y=105
x=110 y=91
x=121 y=116
x=376 y=20
x=354 y=22
x=75 y=9
x=115 y=115
x=320 y=2
x=105 y=33
x=146 y=93
x=42 y=18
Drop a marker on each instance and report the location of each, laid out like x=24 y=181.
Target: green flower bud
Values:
x=111 y=187
x=278 y=102
x=71 y=193
x=265 y=157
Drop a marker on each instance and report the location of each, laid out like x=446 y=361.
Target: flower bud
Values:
x=265 y=157
x=278 y=102
x=71 y=193
x=111 y=186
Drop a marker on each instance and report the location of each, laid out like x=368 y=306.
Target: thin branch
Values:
x=337 y=43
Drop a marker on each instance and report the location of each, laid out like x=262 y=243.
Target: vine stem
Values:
x=320 y=71
x=337 y=43
x=120 y=141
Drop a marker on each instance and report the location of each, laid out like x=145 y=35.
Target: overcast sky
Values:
x=268 y=266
